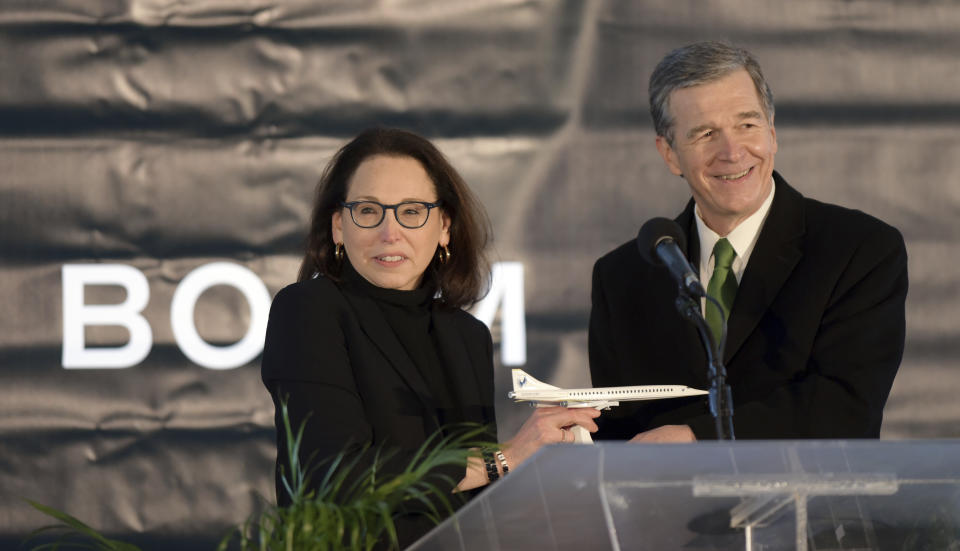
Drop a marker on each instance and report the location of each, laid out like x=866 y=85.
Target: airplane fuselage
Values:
x=617 y=394
x=528 y=389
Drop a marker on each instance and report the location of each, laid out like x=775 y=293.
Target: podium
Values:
x=752 y=495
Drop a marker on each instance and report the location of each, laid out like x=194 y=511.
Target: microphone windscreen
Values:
x=653 y=231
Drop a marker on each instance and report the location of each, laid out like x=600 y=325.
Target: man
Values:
x=815 y=292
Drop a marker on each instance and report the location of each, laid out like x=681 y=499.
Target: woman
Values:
x=371 y=342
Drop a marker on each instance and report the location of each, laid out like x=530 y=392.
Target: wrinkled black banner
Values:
x=166 y=136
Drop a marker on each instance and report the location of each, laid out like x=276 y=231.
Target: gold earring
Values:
x=338 y=251
x=443 y=254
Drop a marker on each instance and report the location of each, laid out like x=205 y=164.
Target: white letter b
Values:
x=77 y=315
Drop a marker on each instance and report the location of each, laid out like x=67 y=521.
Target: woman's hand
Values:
x=547 y=426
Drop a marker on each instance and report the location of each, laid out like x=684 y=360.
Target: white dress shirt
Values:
x=742 y=238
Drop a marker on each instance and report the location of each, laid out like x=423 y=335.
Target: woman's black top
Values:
x=360 y=364
x=410 y=315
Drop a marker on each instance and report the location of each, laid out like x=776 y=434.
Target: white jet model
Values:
x=528 y=389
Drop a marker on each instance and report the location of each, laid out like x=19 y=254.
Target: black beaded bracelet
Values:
x=503 y=462
x=491 y=466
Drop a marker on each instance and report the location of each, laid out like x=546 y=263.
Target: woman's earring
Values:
x=338 y=251
x=443 y=254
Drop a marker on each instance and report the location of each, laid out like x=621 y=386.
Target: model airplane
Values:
x=528 y=389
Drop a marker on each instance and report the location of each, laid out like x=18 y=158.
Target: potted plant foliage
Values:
x=350 y=508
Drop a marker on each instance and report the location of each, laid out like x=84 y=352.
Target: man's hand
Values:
x=666 y=433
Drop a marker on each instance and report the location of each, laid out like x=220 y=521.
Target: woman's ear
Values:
x=445 y=231
x=336 y=227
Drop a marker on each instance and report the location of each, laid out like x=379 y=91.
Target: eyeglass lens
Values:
x=369 y=214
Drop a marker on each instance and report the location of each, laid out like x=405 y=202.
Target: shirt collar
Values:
x=742 y=238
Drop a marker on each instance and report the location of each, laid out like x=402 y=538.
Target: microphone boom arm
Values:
x=721 y=398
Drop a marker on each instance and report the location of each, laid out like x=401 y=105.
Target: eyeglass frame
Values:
x=383 y=212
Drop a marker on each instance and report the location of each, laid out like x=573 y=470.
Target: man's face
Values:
x=723 y=146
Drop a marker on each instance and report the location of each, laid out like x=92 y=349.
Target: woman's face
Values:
x=390 y=255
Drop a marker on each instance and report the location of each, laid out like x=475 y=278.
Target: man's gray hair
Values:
x=695 y=64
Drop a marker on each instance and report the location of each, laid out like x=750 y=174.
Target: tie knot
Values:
x=723 y=254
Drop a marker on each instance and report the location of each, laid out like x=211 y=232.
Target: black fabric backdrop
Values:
x=166 y=136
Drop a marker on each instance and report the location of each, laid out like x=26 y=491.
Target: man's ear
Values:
x=336 y=227
x=669 y=155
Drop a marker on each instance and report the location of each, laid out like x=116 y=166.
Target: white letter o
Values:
x=185 y=300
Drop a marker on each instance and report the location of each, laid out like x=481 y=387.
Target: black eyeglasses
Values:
x=410 y=214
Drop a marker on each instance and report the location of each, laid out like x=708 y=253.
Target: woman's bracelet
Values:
x=503 y=462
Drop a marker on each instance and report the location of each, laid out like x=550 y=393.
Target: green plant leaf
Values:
x=73 y=526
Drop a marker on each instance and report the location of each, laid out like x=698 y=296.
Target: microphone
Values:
x=661 y=241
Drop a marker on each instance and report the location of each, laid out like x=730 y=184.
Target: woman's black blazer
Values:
x=330 y=352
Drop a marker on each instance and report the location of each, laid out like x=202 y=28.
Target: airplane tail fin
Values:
x=524 y=381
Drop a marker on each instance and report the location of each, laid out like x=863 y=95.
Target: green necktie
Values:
x=723 y=286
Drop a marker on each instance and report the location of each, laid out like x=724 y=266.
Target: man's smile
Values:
x=737 y=176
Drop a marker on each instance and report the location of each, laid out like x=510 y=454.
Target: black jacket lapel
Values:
x=689 y=340
x=375 y=326
x=688 y=224
x=773 y=258
x=464 y=374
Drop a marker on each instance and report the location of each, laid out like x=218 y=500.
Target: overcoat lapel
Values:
x=773 y=258
x=464 y=374
x=375 y=326
x=690 y=338
x=688 y=224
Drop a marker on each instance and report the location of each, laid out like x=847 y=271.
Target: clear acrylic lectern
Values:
x=752 y=495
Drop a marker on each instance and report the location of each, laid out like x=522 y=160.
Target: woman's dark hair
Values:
x=463 y=279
